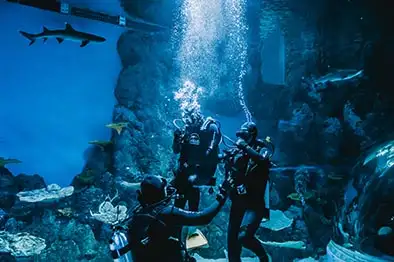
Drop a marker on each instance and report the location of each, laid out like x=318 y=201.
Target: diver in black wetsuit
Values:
x=248 y=168
x=153 y=229
x=198 y=146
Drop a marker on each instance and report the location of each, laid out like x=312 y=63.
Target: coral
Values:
x=21 y=244
x=278 y=221
x=287 y=244
x=117 y=126
x=50 y=193
x=109 y=214
x=7 y=161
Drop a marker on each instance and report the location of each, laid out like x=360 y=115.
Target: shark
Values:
x=69 y=33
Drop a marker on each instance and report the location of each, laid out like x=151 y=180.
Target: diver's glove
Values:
x=178 y=134
x=241 y=144
x=226 y=187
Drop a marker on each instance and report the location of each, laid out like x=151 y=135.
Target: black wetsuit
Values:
x=164 y=222
x=194 y=160
x=249 y=169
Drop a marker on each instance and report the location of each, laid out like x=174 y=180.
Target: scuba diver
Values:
x=153 y=228
x=247 y=167
x=197 y=143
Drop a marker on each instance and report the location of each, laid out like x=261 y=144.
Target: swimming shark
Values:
x=69 y=33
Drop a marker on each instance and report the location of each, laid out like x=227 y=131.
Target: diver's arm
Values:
x=214 y=130
x=183 y=217
x=255 y=155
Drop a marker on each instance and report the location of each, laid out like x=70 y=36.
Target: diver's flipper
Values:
x=196 y=240
x=45 y=39
x=84 y=43
x=59 y=39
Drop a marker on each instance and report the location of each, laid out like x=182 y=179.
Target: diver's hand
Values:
x=178 y=134
x=192 y=179
x=241 y=144
x=228 y=185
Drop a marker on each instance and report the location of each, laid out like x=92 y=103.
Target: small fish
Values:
x=384 y=231
x=69 y=33
x=118 y=126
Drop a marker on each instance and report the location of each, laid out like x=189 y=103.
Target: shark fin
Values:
x=69 y=27
x=44 y=29
x=59 y=39
x=84 y=43
x=28 y=36
x=45 y=39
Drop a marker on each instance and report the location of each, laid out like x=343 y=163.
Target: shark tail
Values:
x=28 y=36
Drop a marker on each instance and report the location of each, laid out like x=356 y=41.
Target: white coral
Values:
x=51 y=192
x=21 y=244
x=109 y=214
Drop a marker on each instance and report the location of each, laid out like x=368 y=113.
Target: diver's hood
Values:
x=248 y=130
x=153 y=189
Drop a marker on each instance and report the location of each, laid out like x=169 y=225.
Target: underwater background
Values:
x=81 y=125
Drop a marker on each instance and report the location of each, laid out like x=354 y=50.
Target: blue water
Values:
x=54 y=98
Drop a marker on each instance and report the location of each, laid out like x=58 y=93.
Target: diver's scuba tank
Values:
x=119 y=246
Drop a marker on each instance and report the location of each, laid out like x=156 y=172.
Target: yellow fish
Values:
x=117 y=126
